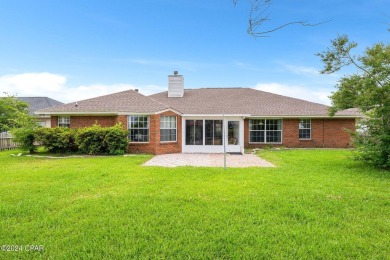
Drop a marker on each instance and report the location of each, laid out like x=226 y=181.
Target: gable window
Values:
x=139 y=128
x=64 y=121
x=265 y=130
x=168 y=128
x=194 y=132
x=305 y=129
x=213 y=132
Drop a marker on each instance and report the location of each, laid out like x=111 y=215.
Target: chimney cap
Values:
x=175 y=72
x=136 y=90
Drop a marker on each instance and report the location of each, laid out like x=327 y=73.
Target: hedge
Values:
x=89 y=140
x=102 y=140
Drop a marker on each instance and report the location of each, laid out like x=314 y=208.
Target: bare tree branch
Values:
x=259 y=14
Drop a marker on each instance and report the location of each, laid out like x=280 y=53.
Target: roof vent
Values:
x=175 y=85
x=136 y=90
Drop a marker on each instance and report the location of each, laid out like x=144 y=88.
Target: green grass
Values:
x=315 y=204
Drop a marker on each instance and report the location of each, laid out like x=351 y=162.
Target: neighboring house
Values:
x=202 y=120
x=37 y=103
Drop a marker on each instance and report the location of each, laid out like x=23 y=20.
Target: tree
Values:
x=259 y=15
x=14 y=117
x=10 y=110
x=369 y=90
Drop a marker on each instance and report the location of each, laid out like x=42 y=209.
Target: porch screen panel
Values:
x=213 y=132
x=194 y=132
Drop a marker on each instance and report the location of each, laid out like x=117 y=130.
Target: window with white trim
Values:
x=138 y=126
x=265 y=130
x=64 y=121
x=305 y=129
x=168 y=128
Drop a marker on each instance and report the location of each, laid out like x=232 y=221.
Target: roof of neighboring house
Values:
x=37 y=103
x=245 y=101
x=128 y=101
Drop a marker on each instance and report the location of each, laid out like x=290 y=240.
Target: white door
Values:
x=233 y=136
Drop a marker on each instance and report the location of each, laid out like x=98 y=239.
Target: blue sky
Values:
x=71 y=50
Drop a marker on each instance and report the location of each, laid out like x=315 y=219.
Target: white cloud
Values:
x=55 y=86
x=301 y=70
x=318 y=96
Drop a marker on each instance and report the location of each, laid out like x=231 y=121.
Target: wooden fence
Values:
x=6 y=141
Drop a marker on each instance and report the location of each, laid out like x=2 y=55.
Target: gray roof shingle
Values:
x=205 y=101
x=244 y=101
x=128 y=101
x=37 y=103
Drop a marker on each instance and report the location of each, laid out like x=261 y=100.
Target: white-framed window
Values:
x=265 y=130
x=305 y=129
x=64 y=121
x=168 y=128
x=138 y=126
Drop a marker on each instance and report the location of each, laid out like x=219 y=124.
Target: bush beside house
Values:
x=89 y=140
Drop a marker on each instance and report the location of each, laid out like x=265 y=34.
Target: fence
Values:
x=6 y=141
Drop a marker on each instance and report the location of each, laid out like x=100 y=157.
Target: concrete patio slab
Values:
x=208 y=160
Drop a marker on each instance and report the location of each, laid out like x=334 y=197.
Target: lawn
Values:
x=315 y=204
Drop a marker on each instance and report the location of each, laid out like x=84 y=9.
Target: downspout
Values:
x=323 y=133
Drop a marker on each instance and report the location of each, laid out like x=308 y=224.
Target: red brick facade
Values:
x=325 y=133
x=154 y=146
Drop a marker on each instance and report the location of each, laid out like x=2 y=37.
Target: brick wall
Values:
x=85 y=121
x=327 y=133
x=154 y=146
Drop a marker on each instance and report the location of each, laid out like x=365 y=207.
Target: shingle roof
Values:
x=244 y=101
x=125 y=101
x=36 y=103
x=206 y=101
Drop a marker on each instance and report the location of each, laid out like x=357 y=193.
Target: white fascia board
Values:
x=166 y=110
x=76 y=113
x=215 y=115
x=133 y=114
x=303 y=116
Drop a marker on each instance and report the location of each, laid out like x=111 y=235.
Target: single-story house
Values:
x=37 y=103
x=209 y=120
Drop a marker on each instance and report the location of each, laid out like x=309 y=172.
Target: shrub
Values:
x=57 y=140
x=102 y=140
x=25 y=137
x=116 y=140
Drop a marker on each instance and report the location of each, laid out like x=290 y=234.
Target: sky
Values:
x=72 y=50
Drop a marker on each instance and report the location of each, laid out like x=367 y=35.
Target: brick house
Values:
x=209 y=120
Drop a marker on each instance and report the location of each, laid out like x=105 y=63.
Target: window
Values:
x=305 y=129
x=194 y=132
x=139 y=128
x=265 y=130
x=64 y=121
x=167 y=128
x=213 y=132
